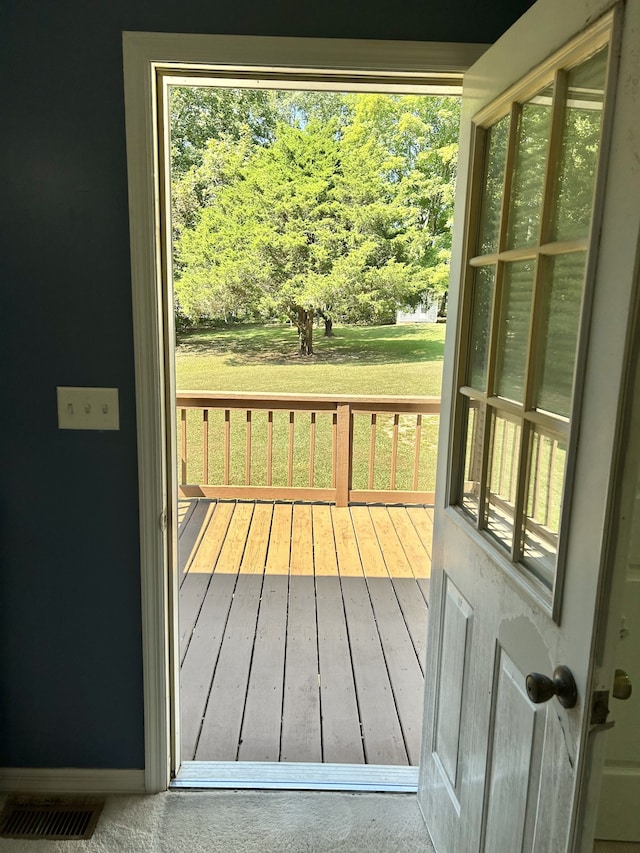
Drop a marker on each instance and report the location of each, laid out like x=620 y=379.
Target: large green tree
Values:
x=342 y=209
x=419 y=137
x=299 y=232
x=199 y=114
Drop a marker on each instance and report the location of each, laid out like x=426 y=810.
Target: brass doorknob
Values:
x=622 y=686
x=540 y=688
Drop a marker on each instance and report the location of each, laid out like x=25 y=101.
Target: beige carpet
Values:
x=250 y=822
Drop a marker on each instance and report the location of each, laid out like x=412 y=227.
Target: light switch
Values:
x=88 y=408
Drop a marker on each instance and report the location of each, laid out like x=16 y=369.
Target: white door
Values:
x=542 y=289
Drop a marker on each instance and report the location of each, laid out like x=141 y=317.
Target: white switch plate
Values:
x=88 y=408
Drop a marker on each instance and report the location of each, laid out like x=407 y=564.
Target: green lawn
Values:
x=404 y=359
x=390 y=360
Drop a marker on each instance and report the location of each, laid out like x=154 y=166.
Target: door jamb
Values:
x=610 y=604
x=144 y=54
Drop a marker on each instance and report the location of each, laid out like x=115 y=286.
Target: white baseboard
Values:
x=71 y=780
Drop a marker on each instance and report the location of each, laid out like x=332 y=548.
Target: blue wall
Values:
x=70 y=629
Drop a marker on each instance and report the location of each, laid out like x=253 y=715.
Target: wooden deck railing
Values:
x=307 y=447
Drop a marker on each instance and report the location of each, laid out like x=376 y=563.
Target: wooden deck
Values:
x=302 y=631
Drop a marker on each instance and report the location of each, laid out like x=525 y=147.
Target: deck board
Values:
x=347 y=553
x=368 y=544
x=232 y=550
x=190 y=531
x=211 y=538
x=260 y=739
x=381 y=732
x=185 y=511
x=324 y=552
x=301 y=732
x=302 y=541
x=303 y=631
x=402 y=664
x=415 y=612
x=423 y=521
x=192 y=593
x=255 y=553
x=280 y=540
x=201 y=658
x=412 y=544
x=341 y=736
x=222 y=721
x=395 y=554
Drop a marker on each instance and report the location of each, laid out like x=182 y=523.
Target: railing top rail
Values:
x=264 y=400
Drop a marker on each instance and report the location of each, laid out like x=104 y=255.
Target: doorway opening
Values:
x=304 y=516
x=152 y=62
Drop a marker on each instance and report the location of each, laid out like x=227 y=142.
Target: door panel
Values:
x=542 y=285
x=502 y=644
x=456 y=632
x=512 y=770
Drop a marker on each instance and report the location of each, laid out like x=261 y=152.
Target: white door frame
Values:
x=613 y=585
x=428 y=65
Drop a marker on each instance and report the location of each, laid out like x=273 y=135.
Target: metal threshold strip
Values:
x=296 y=776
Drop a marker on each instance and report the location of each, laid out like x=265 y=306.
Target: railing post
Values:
x=344 y=462
x=183 y=444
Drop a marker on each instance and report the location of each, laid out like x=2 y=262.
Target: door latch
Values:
x=599 y=707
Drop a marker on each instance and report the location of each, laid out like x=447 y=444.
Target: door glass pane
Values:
x=528 y=179
x=476 y=414
x=563 y=285
x=496 y=142
x=524 y=309
x=484 y=282
x=547 y=457
x=504 y=458
x=580 y=144
x=514 y=329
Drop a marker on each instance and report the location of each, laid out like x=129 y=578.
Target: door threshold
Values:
x=295 y=776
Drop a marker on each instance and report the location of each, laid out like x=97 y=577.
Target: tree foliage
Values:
x=324 y=205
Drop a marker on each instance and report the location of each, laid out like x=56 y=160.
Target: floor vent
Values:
x=60 y=821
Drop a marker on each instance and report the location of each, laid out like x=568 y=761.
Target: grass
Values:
x=397 y=360
x=390 y=360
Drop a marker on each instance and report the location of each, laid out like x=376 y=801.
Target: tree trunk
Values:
x=304 y=323
x=328 y=327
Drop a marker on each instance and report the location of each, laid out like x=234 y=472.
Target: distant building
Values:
x=426 y=312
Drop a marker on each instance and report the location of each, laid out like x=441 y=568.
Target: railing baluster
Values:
x=514 y=463
x=535 y=496
x=227 y=445
x=312 y=449
x=247 y=469
x=503 y=460
x=475 y=462
x=552 y=453
x=290 y=460
x=344 y=449
x=183 y=444
x=394 y=451
x=416 y=457
x=269 y=448
x=205 y=445
x=372 y=449
x=334 y=449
